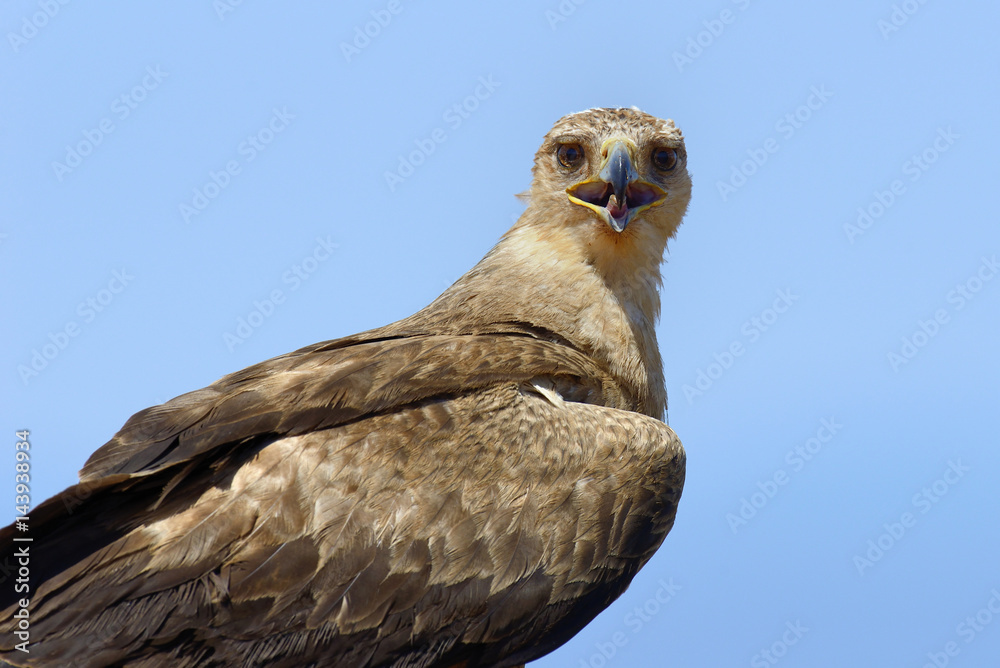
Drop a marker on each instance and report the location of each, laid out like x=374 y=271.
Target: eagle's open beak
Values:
x=617 y=194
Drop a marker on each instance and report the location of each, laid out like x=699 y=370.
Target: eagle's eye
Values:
x=570 y=155
x=664 y=159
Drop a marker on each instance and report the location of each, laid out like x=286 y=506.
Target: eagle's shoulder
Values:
x=335 y=382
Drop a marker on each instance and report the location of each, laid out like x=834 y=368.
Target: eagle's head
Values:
x=612 y=171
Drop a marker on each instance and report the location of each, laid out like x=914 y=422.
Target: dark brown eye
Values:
x=664 y=159
x=570 y=155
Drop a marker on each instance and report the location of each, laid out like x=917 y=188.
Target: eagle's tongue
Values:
x=617 y=210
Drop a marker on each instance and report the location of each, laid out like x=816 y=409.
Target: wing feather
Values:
x=406 y=530
x=327 y=385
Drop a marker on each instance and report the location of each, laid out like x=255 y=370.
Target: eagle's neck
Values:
x=599 y=294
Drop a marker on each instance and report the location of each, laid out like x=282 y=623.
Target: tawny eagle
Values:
x=468 y=486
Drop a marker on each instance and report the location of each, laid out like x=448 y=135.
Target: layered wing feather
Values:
x=405 y=501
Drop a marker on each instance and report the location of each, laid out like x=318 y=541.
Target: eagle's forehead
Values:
x=601 y=123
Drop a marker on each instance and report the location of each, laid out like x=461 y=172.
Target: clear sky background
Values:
x=831 y=304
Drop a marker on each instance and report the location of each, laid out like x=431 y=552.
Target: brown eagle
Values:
x=468 y=486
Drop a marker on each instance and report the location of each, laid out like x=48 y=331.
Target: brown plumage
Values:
x=468 y=486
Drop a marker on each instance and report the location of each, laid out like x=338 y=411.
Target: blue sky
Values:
x=189 y=189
